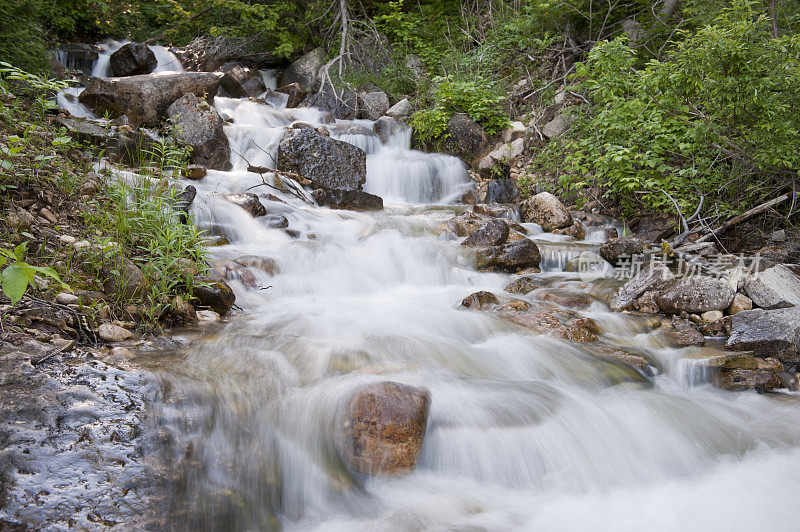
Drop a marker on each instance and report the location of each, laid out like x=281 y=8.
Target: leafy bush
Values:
x=21 y=37
x=719 y=119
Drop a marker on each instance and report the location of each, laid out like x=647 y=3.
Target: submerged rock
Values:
x=695 y=295
x=513 y=256
x=767 y=333
x=383 y=428
x=492 y=233
x=547 y=211
x=747 y=379
x=328 y=163
x=265 y=264
x=351 y=200
x=145 y=99
x=524 y=285
x=133 y=59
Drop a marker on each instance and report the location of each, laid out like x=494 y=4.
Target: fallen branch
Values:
x=742 y=217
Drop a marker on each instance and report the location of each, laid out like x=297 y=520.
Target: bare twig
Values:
x=744 y=216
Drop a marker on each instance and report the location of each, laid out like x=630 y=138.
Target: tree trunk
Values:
x=669 y=8
x=773 y=15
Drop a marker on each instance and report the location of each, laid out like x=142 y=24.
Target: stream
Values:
x=525 y=431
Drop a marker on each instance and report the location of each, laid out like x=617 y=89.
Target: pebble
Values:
x=48 y=215
x=81 y=244
x=65 y=298
x=120 y=351
x=113 y=333
x=67 y=240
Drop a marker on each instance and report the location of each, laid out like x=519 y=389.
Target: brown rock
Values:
x=195 y=172
x=480 y=300
x=465 y=224
x=746 y=379
x=264 y=264
x=113 y=333
x=524 y=285
x=512 y=257
x=547 y=211
x=383 y=428
x=575 y=230
x=249 y=202
x=740 y=302
x=685 y=337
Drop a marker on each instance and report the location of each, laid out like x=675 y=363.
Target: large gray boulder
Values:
x=546 y=210
x=510 y=257
x=305 y=71
x=132 y=59
x=373 y=105
x=328 y=163
x=400 y=110
x=775 y=287
x=767 y=333
x=695 y=295
x=466 y=138
x=200 y=126
x=492 y=233
x=145 y=99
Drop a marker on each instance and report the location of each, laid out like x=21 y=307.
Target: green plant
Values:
x=718 y=120
x=40 y=88
x=18 y=274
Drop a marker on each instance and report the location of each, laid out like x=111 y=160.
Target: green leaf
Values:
x=15 y=282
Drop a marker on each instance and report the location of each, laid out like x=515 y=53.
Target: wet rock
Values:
x=385 y=127
x=611 y=232
x=373 y=105
x=195 y=172
x=207 y=317
x=113 y=333
x=733 y=361
x=627 y=356
x=383 y=428
x=123 y=279
x=695 y=294
x=276 y=221
x=243 y=275
x=615 y=249
x=512 y=257
x=467 y=140
x=214 y=294
x=340 y=105
x=240 y=81
x=145 y=99
x=767 y=333
x=568 y=299
x=216 y=240
x=354 y=129
x=492 y=233
x=524 y=285
x=265 y=264
x=717 y=328
x=589 y=324
x=501 y=191
x=351 y=200
x=685 y=337
x=480 y=301
x=547 y=211
x=183 y=200
x=540 y=322
x=295 y=92
x=769 y=364
x=305 y=71
x=132 y=59
x=747 y=379
x=775 y=287
x=465 y=224
x=740 y=302
x=328 y=163
x=249 y=202
x=514 y=305
x=400 y=110
x=575 y=230
x=200 y=126
x=497 y=211
x=649 y=279
x=575 y=333
x=180 y=312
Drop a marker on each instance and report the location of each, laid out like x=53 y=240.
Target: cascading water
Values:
x=525 y=432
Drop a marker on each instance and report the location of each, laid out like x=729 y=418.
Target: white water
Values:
x=526 y=432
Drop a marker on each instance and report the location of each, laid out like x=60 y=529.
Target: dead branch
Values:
x=744 y=216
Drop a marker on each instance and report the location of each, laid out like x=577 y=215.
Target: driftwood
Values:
x=742 y=217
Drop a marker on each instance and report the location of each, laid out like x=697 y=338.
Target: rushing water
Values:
x=525 y=432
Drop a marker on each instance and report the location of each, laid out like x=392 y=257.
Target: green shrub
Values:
x=21 y=36
x=719 y=119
